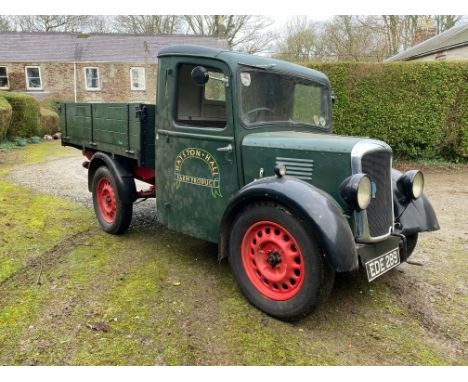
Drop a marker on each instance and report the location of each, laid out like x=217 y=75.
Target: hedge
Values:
x=5 y=116
x=49 y=122
x=25 y=118
x=420 y=109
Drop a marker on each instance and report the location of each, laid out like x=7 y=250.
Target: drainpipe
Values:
x=74 y=79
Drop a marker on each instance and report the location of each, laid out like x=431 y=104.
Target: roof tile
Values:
x=69 y=47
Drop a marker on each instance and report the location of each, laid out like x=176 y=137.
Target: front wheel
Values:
x=277 y=263
x=113 y=215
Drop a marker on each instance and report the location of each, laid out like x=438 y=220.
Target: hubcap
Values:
x=106 y=200
x=272 y=260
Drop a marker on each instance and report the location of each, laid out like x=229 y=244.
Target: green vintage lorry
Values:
x=238 y=151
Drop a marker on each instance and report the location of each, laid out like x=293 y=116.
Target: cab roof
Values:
x=235 y=59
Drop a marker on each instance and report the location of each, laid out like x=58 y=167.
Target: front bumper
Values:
x=367 y=252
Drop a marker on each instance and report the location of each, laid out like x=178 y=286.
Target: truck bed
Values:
x=126 y=130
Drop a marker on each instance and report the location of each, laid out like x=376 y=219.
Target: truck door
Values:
x=196 y=169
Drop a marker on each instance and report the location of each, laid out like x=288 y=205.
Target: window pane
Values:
x=214 y=89
x=308 y=105
x=268 y=97
x=34 y=83
x=92 y=78
x=33 y=72
x=3 y=82
x=138 y=78
x=3 y=72
x=193 y=109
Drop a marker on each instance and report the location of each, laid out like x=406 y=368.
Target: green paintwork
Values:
x=194 y=180
x=320 y=159
x=192 y=209
x=111 y=127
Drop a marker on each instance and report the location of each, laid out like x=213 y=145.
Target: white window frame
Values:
x=8 y=80
x=27 y=77
x=86 y=80
x=142 y=89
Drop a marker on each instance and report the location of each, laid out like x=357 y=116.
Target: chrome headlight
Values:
x=357 y=191
x=411 y=184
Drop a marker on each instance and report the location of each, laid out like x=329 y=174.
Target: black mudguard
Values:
x=412 y=216
x=122 y=175
x=318 y=209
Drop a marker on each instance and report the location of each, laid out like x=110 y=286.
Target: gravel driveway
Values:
x=67 y=178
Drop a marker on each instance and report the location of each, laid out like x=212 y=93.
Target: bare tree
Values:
x=5 y=24
x=148 y=24
x=99 y=24
x=444 y=22
x=242 y=32
x=51 y=23
x=299 y=41
x=351 y=38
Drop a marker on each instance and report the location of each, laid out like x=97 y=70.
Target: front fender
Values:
x=412 y=216
x=318 y=209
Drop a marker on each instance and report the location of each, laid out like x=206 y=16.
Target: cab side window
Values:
x=200 y=106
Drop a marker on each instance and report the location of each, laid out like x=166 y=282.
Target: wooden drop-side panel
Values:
x=116 y=128
x=78 y=121
x=110 y=124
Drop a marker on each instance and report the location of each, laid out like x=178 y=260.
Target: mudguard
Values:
x=318 y=209
x=412 y=216
x=122 y=175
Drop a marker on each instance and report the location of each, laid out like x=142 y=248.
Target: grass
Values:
x=167 y=301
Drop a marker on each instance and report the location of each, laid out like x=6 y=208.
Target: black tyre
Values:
x=113 y=215
x=277 y=263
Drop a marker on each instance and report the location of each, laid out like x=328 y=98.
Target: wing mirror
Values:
x=200 y=75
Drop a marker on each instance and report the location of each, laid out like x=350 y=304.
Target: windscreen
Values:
x=268 y=97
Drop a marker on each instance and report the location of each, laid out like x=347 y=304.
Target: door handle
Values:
x=227 y=149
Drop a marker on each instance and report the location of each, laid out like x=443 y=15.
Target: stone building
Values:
x=86 y=68
x=451 y=45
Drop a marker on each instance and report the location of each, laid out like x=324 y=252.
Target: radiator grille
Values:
x=380 y=212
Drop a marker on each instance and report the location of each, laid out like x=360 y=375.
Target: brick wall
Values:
x=57 y=80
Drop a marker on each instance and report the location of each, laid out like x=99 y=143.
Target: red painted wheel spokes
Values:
x=106 y=200
x=272 y=260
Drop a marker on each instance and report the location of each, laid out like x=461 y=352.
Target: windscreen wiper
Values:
x=263 y=67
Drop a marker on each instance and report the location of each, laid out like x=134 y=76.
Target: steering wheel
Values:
x=257 y=110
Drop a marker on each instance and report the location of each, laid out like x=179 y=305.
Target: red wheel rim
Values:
x=272 y=260
x=106 y=200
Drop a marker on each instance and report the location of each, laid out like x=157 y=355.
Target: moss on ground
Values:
x=166 y=300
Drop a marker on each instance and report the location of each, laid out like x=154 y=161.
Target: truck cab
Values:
x=241 y=152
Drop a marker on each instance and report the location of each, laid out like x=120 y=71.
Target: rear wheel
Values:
x=113 y=215
x=277 y=262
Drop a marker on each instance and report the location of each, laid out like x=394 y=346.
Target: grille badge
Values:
x=373 y=189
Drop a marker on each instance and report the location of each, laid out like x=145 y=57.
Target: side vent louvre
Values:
x=300 y=168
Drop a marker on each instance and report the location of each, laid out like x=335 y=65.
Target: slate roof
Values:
x=450 y=39
x=70 y=47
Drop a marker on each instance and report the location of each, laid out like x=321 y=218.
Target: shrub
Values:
x=51 y=103
x=5 y=116
x=420 y=109
x=25 y=118
x=49 y=122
